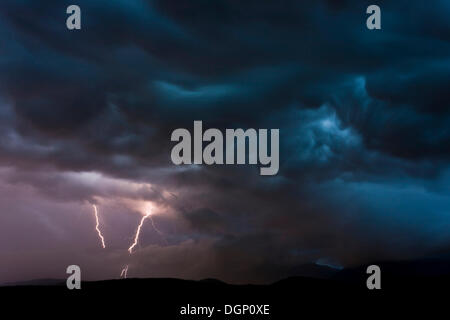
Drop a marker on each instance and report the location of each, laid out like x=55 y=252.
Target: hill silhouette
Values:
x=407 y=288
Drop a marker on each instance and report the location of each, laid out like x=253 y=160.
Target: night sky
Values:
x=86 y=118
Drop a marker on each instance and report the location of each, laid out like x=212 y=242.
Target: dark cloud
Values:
x=86 y=117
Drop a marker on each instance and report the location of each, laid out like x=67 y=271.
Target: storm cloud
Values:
x=86 y=117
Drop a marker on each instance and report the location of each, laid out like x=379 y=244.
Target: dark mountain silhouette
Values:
x=36 y=282
x=407 y=288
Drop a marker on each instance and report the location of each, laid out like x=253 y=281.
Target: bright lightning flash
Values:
x=149 y=210
x=124 y=272
x=138 y=231
x=97 y=224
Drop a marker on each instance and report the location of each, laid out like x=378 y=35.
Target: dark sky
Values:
x=86 y=118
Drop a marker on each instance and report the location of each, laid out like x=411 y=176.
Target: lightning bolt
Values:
x=97 y=224
x=157 y=230
x=138 y=232
x=124 y=272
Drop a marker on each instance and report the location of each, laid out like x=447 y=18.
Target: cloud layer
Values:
x=86 y=117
